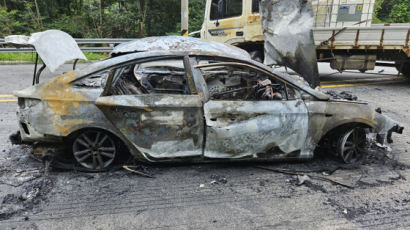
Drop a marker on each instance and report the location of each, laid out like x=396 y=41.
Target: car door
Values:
x=251 y=114
x=153 y=106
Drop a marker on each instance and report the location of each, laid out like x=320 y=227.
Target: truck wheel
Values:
x=403 y=68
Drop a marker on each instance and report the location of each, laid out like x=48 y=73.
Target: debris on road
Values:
x=302 y=179
x=304 y=176
x=15 y=138
x=133 y=170
x=344 y=95
x=30 y=185
x=216 y=179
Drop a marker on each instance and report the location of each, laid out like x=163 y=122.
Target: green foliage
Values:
x=12 y=21
x=98 y=18
x=27 y=57
x=392 y=11
x=130 y=18
x=31 y=57
x=95 y=56
x=196 y=14
x=401 y=12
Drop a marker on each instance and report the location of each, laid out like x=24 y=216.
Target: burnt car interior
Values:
x=160 y=76
x=225 y=80
x=233 y=82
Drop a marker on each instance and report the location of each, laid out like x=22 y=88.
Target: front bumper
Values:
x=386 y=128
x=396 y=129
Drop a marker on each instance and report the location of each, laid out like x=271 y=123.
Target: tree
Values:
x=392 y=11
x=401 y=12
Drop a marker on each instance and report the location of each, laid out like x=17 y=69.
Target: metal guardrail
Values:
x=111 y=42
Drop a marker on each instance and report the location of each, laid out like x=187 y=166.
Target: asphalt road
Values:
x=214 y=196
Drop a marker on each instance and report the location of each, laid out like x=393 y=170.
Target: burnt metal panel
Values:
x=160 y=126
x=287 y=28
x=243 y=129
x=177 y=43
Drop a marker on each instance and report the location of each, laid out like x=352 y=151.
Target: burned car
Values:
x=168 y=99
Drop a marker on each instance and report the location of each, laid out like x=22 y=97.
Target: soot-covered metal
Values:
x=287 y=29
x=196 y=105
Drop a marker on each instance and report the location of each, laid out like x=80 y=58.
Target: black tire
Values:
x=95 y=150
x=351 y=145
x=404 y=68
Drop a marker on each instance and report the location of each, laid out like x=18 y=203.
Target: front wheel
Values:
x=95 y=150
x=351 y=145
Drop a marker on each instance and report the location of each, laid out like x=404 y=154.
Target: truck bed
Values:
x=376 y=37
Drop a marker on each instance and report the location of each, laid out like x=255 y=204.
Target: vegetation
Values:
x=129 y=18
x=392 y=11
x=97 y=18
x=31 y=57
x=126 y=18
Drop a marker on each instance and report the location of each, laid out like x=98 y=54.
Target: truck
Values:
x=343 y=33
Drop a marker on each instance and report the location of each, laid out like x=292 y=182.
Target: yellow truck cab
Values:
x=235 y=22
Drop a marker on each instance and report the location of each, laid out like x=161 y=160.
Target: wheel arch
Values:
x=336 y=130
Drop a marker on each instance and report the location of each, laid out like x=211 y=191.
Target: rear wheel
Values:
x=351 y=145
x=95 y=150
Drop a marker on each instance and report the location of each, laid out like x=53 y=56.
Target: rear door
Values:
x=251 y=115
x=153 y=106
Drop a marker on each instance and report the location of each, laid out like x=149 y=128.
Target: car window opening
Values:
x=240 y=83
x=96 y=80
x=255 y=6
x=162 y=77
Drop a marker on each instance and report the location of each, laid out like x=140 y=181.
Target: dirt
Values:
x=31 y=185
x=35 y=190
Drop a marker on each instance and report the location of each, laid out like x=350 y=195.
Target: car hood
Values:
x=55 y=47
x=287 y=29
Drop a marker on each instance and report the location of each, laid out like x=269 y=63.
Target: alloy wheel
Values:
x=95 y=150
x=352 y=146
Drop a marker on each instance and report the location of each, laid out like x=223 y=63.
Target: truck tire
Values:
x=403 y=68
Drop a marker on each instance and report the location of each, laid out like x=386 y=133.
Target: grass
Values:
x=31 y=57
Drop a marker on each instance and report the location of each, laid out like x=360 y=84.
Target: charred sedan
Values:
x=181 y=99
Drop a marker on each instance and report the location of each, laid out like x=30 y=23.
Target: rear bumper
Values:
x=28 y=132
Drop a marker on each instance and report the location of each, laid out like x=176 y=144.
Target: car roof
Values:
x=178 y=43
x=120 y=60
